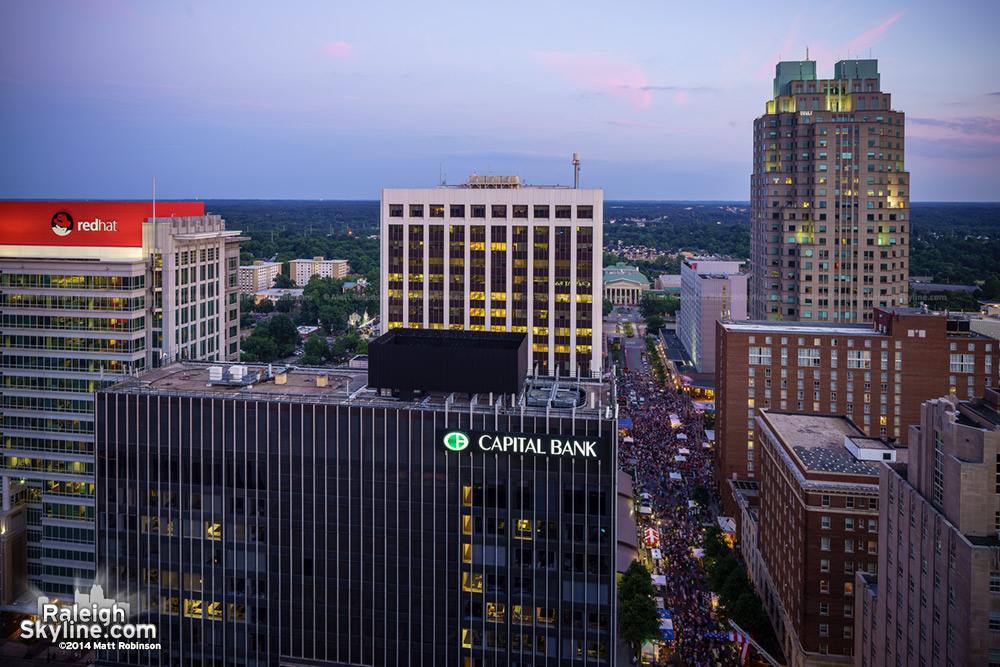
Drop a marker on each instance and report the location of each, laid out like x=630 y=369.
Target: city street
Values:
x=665 y=451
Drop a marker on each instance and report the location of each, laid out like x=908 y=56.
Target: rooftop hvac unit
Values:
x=236 y=373
x=215 y=373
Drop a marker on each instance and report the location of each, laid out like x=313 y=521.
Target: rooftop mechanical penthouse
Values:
x=264 y=516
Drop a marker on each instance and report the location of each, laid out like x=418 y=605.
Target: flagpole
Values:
x=767 y=656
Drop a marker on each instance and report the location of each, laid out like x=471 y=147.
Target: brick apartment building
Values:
x=818 y=526
x=936 y=598
x=875 y=374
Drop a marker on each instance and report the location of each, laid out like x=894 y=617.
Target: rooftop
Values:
x=817 y=442
x=828 y=328
x=348 y=386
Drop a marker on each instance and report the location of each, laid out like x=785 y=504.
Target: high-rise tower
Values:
x=496 y=255
x=90 y=293
x=829 y=197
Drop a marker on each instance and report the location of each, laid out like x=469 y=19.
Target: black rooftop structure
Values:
x=434 y=360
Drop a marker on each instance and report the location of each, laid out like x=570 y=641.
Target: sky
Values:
x=336 y=100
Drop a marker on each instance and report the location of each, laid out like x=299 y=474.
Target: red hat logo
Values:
x=62 y=223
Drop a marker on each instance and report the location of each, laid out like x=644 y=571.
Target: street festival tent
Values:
x=684 y=450
x=680 y=459
x=681 y=436
x=659 y=580
x=676 y=477
x=666 y=624
x=651 y=536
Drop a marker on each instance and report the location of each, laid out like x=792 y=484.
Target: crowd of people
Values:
x=662 y=424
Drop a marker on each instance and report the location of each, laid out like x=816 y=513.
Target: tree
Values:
x=607 y=307
x=265 y=306
x=747 y=611
x=655 y=304
x=636 y=581
x=715 y=545
x=639 y=620
x=259 y=348
x=316 y=347
x=284 y=334
x=286 y=303
x=637 y=615
x=281 y=281
x=701 y=496
x=247 y=303
x=653 y=324
x=736 y=584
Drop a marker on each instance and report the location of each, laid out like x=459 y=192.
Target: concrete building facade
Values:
x=91 y=293
x=496 y=255
x=303 y=270
x=936 y=597
x=711 y=289
x=877 y=375
x=829 y=197
x=258 y=277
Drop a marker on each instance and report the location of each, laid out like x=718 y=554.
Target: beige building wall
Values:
x=937 y=592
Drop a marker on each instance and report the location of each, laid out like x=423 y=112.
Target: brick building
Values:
x=936 y=599
x=818 y=525
x=876 y=374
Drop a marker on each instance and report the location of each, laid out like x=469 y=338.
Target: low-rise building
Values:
x=302 y=270
x=623 y=284
x=273 y=295
x=668 y=284
x=258 y=277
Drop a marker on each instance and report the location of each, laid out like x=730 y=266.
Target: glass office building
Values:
x=263 y=517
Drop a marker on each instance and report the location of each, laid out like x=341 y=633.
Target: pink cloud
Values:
x=337 y=49
x=767 y=69
x=681 y=98
x=600 y=72
x=870 y=37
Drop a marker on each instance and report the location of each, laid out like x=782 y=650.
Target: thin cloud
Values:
x=979 y=126
x=599 y=71
x=869 y=38
x=996 y=93
x=337 y=49
x=629 y=123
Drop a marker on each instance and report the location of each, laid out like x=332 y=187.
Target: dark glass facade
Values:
x=276 y=528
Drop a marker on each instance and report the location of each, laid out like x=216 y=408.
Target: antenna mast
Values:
x=576 y=171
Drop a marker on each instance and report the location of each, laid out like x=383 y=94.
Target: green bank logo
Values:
x=456 y=441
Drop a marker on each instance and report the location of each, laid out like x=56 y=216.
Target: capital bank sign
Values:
x=518 y=443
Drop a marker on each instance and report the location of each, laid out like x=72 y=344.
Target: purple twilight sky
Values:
x=335 y=100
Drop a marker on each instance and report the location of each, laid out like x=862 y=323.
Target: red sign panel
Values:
x=84 y=223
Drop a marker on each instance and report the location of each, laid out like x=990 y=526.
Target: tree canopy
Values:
x=272 y=338
x=637 y=612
